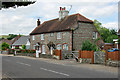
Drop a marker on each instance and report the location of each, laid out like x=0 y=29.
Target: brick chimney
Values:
x=19 y=36
x=38 y=22
x=63 y=13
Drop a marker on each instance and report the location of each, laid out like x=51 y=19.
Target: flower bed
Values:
x=26 y=52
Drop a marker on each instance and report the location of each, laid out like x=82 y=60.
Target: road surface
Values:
x=19 y=67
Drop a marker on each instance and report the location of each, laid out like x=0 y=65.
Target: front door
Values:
x=51 y=48
x=40 y=49
x=43 y=49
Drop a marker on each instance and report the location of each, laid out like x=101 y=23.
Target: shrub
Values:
x=16 y=47
x=87 y=45
x=5 y=46
x=23 y=47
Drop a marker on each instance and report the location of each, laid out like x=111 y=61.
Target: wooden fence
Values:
x=115 y=56
x=58 y=53
x=87 y=54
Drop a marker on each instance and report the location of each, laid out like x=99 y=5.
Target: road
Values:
x=19 y=67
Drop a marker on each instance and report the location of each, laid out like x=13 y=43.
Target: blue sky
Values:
x=23 y=19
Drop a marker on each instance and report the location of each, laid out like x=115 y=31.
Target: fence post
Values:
x=79 y=54
x=92 y=57
x=60 y=56
x=106 y=57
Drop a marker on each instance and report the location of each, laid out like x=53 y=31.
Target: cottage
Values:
x=23 y=40
x=66 y=32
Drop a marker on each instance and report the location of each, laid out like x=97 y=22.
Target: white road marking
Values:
x=55 y=72
x=23 y=63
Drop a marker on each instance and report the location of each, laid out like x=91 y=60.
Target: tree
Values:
x=23 y=47
x=87 y=45
x=106 y=34
x=5 y=46
x=11 y=36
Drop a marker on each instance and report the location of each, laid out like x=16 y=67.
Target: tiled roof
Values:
x=55 y=25
x=7 y=41
x=21 y=41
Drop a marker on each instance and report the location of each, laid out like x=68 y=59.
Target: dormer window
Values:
x=51 y=34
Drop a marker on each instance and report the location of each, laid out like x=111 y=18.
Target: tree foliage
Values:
x=5 y=46
x=11 y=36
x=107 y=34
x=87 y=45
x=23 y=47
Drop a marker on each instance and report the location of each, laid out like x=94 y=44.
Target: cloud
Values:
x=111 y=25
x=23 y=19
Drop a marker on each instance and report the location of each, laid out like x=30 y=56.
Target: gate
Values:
x=70 y=54
x=99 y=57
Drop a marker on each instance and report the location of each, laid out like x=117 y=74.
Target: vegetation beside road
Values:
x=107 y=34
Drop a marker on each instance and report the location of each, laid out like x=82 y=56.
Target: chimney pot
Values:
x=64 y=8
x=38 y=22
x=63 y=13
x=60 y=8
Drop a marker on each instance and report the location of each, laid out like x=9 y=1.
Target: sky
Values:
x=23 y=20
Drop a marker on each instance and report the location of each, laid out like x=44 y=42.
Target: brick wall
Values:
x=108 y=46
x=82 y=33
x=66 y=38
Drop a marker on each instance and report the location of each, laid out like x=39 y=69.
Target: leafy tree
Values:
x=5 y=46
x=11 y=36
x=23 y=47
x=106 y=34
x=87 y=45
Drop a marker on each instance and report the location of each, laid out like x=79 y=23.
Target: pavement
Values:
x=29 y=67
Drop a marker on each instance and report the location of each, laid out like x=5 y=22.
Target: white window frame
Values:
x=42 y=36
x=33 y=37
x=65 y=46
x=43 y=48
x=59 y=46
x=95 y=35
x=51 y=34
x=59 y=36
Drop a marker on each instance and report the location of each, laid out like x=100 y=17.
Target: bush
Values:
x=5 y=46
x=87 y=45
x=16 y=47
x=23 y=47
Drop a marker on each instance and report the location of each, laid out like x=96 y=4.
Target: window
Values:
x=94 y=35
x=42 y=36
x=33 y=37
x=65 y=47
x=59 y=35
x=34 y=47
x=59 y=46
x=51 y=34
x=43 y=49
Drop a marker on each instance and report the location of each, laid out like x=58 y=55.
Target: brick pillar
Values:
x=92 y=57
x=106 y=57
